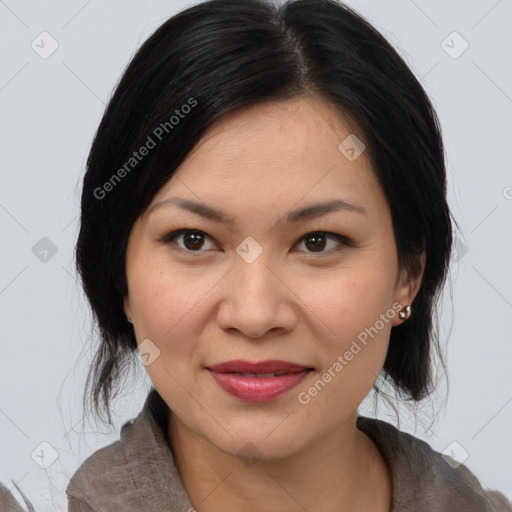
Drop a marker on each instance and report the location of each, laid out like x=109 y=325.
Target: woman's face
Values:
x=257 y=282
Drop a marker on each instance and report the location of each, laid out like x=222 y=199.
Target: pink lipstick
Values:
x=258 y=382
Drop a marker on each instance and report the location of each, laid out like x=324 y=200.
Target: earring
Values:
x=405 y=313
x=129 y=320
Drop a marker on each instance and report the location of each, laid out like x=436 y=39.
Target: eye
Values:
x=317 y=240
x=194 y=240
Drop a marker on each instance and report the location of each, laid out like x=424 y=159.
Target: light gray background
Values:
x=50 y=109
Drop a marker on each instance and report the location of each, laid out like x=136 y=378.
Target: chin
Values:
x=265 y=439
x=259 y=447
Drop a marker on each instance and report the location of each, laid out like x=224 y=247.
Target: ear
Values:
x=127 y=307
x=407 y=286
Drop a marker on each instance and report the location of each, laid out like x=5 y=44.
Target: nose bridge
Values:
x=255 y=300
x=254 y=276
x=254 y=284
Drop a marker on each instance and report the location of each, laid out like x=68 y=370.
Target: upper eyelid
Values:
x=179 y=232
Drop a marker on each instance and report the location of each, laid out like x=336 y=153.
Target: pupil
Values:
x=197 y=241
x=318 y=246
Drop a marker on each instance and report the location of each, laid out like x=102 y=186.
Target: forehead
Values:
x=274 y=152
x=278 y=131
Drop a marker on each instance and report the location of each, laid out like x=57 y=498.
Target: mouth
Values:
x=258 y=382
x=258 y=375
x=270 y=366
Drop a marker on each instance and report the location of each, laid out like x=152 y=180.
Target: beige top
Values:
x=137 y=472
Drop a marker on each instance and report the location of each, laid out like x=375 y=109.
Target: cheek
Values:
x=353 y=356
x=166 y=298
x=167 y=306
x=349 y=300
x=354 y=311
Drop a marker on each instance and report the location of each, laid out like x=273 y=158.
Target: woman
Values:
x=264 y=220
x=266 y=195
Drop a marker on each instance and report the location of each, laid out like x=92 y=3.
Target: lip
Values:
x=258 y=389
x=268 y=366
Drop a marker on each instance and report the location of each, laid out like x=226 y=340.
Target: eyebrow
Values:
x=308 y=212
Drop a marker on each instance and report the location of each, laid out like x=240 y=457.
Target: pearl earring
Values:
x=405 y=313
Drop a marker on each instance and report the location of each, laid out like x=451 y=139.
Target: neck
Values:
x=342 y=471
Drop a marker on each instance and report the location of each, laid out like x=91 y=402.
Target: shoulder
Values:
x=107 y=474
x=8 y=503
x=425 y=479
x=135 y=473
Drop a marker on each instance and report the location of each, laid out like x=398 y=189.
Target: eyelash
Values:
x=345 y=242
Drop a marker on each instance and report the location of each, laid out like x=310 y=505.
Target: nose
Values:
x=257 y=300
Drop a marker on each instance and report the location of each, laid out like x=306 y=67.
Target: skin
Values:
x=204 y=304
